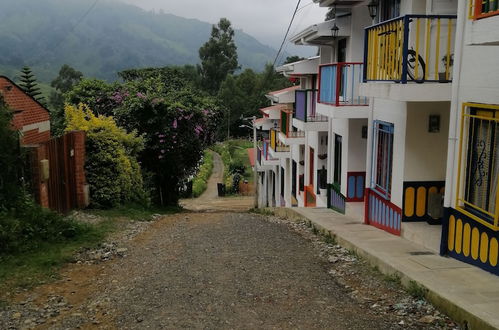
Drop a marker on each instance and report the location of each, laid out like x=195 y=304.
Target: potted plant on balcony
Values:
x=322 y=156
x=302 y=162
x=442 y=75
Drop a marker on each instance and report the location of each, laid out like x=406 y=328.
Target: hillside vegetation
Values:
x=44 y=34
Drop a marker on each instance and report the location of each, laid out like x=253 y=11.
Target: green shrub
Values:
x=27 y=225
x=200 y=182
x=9 y=159
x=113 y=172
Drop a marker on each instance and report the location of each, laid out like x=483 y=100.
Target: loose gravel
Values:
x=221 y=271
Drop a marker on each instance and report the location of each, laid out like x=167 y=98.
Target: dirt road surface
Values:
x=216 y=267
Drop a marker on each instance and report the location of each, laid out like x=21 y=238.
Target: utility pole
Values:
x=255 y=173
x=228 y=124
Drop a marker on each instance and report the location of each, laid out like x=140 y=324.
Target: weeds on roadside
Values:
x=262 y=211
x=329 y=238
x=416 y=291
x=393 y=278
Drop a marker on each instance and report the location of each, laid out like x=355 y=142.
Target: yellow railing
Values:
x=410 y=48
x=478 y=171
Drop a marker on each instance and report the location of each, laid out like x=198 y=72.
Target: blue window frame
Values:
x=382 y=158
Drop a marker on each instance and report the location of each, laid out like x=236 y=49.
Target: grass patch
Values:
x=235 y=158
x=26 y=269
x=41 y=262
x=416 y=291
x=200 y=182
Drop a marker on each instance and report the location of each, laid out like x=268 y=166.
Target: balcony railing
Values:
x=483 y=8
x=339 y=84
x=296 y=134
x=275 y=145
x=415 y=48
x=306 y=105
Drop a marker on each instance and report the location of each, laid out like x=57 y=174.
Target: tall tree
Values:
x=9 y=159
x=218 y=56
x=63 y=83
x=294 y=58
x=29 y=84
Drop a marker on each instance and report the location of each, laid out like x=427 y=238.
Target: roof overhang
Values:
x=286 y=95
x=273 y=112
x=338 y=3
x=305 y=67
x=321 y=34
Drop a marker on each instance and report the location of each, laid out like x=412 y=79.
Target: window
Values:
x=337 y=159
x=381 y=170
x=483 y=8
x=479 y=163
x=389 y=9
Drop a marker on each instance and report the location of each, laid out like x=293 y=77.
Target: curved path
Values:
x=209 y=200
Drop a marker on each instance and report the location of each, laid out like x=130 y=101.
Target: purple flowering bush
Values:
x=176 y=121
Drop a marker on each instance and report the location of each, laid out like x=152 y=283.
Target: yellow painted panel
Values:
x=421 y=202
x=466 y=239
x=494 y=251
x=409 y=202
x=484 y=247
x=459 y=235
x=452 y=230
x=475 y=243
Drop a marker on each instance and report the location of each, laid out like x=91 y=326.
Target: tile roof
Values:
x=16 y=98
x=289 y=89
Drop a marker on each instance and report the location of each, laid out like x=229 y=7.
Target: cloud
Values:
x=266 y=20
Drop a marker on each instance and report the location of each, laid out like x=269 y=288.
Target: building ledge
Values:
x=343 y=112
x=410 y=92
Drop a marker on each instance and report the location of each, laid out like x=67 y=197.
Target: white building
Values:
x=471 y=224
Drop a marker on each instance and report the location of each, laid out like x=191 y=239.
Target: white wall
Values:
x=426 y=153
x=357 y=146
x=360 y=20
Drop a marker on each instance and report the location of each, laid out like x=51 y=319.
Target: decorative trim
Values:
x=381 y=213
x=469 y=241
x=335 y=199
x=356 y=182
x=415 y=200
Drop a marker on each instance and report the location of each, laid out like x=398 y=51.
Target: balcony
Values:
x=266 y=158
x=339 y=84
x=277 y=149
x=306 y=117
x=287 y=135
x=411 y=48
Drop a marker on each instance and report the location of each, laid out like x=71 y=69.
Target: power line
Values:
x=287 y=31
x=72 y=29
x=78 y=22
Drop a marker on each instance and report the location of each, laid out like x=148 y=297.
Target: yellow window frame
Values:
x=460 y=201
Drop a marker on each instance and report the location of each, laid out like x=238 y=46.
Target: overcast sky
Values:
x=266 y=20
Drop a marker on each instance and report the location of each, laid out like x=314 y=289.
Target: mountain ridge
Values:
x=114 y=36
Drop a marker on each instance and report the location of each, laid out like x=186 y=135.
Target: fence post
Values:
x=405 y=46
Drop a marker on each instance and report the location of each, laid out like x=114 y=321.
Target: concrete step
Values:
x=422 y=233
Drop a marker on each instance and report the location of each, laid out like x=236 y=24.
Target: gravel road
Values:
x=212 y=269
